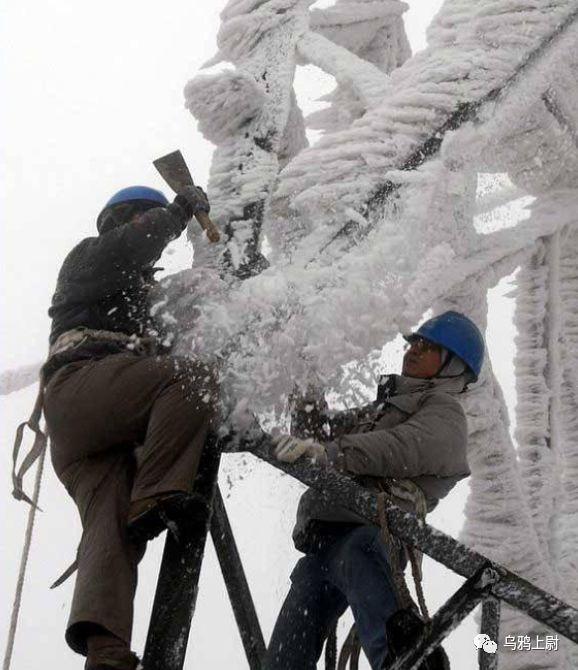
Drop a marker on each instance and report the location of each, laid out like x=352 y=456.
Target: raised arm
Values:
x=139 y=243
x=101 y=266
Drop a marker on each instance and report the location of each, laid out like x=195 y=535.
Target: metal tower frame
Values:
x=487 y=583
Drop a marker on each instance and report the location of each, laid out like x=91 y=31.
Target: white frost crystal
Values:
x=328 y=303
x=223 y=103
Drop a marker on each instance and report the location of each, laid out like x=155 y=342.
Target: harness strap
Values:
x=350 y=651
x=414 y=556
x=331 y=649
x=406 y=489
x=65 y=342
x=402 y=592
x=39 y=445
x=415 y=561
x=74 y=338
x=70 y=570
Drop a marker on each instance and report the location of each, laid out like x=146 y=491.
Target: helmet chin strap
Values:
x=452 y=366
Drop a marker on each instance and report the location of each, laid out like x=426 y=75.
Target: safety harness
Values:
x=67 y=341
x=40 y=441
x=404 y=489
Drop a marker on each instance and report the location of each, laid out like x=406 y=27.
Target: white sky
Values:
x=92 y=93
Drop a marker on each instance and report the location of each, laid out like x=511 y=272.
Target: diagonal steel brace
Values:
x=236 y=583
x=345 y=492
x=449 y=616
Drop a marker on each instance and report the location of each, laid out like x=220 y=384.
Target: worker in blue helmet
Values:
x=411 y=444
x=131 y=200
x=460 y=340
x=111 y=385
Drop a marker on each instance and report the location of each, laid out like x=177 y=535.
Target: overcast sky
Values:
x=92 y=93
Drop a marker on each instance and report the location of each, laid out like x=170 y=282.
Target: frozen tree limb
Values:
x=368 y=82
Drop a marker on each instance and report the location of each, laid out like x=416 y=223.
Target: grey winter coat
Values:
x=418 y=433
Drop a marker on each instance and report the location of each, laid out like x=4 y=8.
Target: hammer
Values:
x=175 y=172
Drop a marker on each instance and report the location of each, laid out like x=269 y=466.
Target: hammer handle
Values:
x=208 y=226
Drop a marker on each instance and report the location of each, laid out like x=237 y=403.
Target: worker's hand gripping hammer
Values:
x=175 y=172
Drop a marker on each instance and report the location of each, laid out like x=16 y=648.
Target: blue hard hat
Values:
x=458 y=334
x=141 y=194
x=138 y=193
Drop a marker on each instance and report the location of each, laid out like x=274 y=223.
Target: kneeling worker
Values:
x=413 y=438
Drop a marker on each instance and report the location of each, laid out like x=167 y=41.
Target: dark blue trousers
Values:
x=352 y=571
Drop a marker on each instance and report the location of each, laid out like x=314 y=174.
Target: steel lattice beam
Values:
x=463 y=112
x=236 y=583
x=510 y=588
x=491 y=627
x=177 y=587
x=449 y=616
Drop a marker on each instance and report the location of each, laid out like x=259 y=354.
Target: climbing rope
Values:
x=400 y=585
x=417 y=578
x=331 y=649
x=24 y=563
x=350 y=651
x=351 y=647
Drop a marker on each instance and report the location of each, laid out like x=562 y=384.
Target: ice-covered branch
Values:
x=364 y=79
x=537 y=385
x=498 y=518
x=435 y=92
x=563 y=119
x=259 y=38
x=374 y=32
x=498 y=199
x=564 y=525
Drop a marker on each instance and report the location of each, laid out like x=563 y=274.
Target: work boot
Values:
x=108 y=652
x=129 y=662
x=149 y=517
x=403 y=631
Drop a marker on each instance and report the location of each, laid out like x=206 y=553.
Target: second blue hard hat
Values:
x=458 y=334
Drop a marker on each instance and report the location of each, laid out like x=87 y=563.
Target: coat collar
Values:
x=405 y=393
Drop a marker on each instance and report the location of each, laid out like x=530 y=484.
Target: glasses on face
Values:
x=421 y=344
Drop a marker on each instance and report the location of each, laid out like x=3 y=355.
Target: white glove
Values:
x=289 y=449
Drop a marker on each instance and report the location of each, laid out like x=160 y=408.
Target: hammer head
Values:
x=174 y=171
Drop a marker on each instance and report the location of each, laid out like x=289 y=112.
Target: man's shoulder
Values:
x=82 y=261
x=442 y=400
x=81 y=250
x=81 y=247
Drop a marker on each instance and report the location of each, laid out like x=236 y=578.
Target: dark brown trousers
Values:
x=97 y=413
